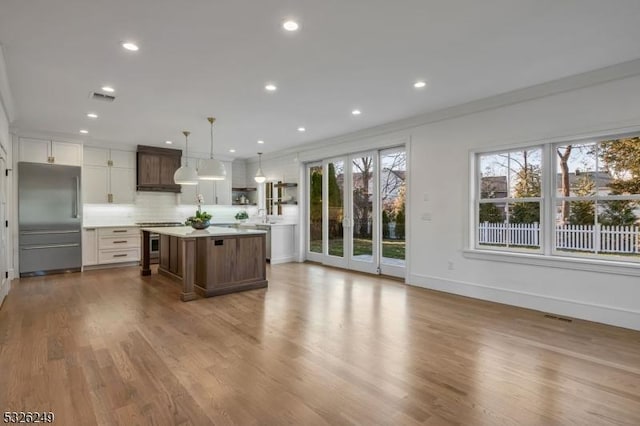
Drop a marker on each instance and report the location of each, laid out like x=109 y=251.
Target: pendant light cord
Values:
x=211 y=120
x=186 y=147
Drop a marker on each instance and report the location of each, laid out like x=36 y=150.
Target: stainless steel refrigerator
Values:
x=49 y=211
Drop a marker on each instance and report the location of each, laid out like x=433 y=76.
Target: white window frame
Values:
x=478 y=200
x=547 y=256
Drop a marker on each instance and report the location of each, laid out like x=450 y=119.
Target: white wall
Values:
x=439 y=167
x=440 y=153
x=6 y=152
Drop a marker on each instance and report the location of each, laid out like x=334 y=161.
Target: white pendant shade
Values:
x=186 y=175
x=260 y=177
x=212 y=169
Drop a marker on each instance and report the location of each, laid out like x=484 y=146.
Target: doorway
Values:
x=356 y=211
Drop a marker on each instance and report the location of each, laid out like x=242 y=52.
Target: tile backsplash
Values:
x=163 y=207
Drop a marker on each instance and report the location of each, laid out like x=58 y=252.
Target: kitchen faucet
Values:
x=264 y=217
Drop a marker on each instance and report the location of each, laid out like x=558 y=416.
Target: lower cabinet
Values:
x=281 y=241
x=223 y=264
x=110 y=245
x=89 y=246
x=282 y=244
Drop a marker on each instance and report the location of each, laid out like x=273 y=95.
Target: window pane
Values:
x=619 y=232
x=618 y=212
x=393 y=164
x=315 y=209
x=524 y=213
x=525 y=173
x=362 y=175
x=615 y=233
x=493 y=179
x=620 y=165
x=336 y=208
x=492 y=227
x=577 y=232
x=576 y=164
x=494 y=230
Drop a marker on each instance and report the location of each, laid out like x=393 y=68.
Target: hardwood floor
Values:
x=319 y=346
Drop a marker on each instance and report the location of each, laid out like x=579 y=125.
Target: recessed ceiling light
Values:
x=302 y=129
x=83 y=131
x=130 y=46
x=271 y=87
x=108 y=89
x=260 y=141
x=356 y=112
x=232 y=150
x=420 y=84
x=168 y=142
x=290 y=25
x=92 y=115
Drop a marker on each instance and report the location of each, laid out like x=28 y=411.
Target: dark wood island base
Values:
x=211 y=262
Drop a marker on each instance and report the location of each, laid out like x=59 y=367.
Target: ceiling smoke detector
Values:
x=97 y=96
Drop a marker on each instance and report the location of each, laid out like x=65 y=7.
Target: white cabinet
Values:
x=281 y=241
x=116 y=245
x=213 y=191
x=283 y=244
x=52 y=152
x=89 y=246
x=109 y=176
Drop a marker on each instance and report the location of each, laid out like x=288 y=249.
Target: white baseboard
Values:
x=588 y=311
x=282 y=260
x=4 y=290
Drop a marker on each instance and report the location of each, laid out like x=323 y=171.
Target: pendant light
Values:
x=260 y=177
x=211 y=169
x=185 y=175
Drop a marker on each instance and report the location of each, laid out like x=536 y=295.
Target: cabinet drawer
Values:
x=117 y=243
x=117 y=256
x=119 y=232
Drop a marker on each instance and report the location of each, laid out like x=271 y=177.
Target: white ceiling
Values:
x=205 y=57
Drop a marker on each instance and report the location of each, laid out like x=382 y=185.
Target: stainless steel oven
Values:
x=154 y=239
x=154 y=248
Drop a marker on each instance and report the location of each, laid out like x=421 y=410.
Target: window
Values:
x=588 y=191
x=510 y=198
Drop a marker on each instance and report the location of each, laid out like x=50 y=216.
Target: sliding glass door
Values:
x=393 y=166
x=356 y=211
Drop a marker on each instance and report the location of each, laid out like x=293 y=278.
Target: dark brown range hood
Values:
x=155 y=168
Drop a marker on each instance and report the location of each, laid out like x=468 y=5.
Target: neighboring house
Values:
x=602 y=180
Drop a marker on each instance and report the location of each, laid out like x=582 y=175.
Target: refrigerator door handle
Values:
x=47 y=232
x=76 y=207
x=48 y=246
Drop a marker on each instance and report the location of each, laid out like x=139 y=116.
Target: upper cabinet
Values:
x=51 y=152
x=214 y=192
x=108 y=176
x=156 y=167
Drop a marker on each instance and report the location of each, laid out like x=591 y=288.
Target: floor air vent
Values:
x=558 y=318
x=97 y=96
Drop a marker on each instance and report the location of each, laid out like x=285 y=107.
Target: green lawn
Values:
x=391 y=249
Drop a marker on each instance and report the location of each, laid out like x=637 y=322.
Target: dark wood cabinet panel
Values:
x=222 y=264
x=156 y=167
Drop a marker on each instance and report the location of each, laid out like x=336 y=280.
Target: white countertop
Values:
x=253 y=224
x=117 y=225
x=212 y=231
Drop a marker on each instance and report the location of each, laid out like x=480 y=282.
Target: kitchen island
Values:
x=209 y=262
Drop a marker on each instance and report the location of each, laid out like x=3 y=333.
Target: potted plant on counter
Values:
x=242 y=216
x=202 y=219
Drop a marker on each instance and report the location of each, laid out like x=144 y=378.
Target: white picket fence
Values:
x=590 y=238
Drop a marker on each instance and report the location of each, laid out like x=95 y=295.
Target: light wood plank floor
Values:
x=319 y=346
